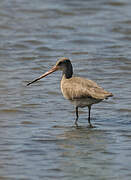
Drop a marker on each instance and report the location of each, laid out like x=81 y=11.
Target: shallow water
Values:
x=38 y=139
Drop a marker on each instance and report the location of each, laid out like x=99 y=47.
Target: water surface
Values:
x=38 y=139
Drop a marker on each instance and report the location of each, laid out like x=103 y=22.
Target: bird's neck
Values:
x=68 y=72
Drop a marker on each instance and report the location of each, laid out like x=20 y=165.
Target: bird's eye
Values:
x=60 y=63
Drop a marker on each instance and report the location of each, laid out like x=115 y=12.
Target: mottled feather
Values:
x=77 y=87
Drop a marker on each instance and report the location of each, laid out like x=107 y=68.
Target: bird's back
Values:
x=77 y=88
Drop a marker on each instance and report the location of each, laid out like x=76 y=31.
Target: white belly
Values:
x=83 y=102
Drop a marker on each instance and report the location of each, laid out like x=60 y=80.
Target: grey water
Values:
x=38 y=139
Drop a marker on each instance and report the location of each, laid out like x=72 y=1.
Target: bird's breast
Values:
x=66 y=88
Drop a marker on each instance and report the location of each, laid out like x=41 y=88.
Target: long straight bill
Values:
x=55 y=68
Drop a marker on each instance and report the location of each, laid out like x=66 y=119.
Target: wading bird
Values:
x=80 y=91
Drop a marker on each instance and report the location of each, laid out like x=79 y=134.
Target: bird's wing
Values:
x=77 y=87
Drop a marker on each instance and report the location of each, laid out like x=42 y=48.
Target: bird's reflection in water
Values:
x=84 y=149
x=81 y=136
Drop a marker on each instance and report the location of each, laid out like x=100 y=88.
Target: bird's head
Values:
x=63 y=64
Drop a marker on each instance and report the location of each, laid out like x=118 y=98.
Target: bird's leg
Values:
x=90 y=125
x=77 y=116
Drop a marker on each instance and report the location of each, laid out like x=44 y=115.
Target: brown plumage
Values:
x=77 y=87
x=81 y=92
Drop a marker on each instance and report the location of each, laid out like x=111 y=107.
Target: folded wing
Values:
x=77 y=87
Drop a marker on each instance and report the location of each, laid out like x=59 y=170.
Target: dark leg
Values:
x=90 y=125
x=77 y=116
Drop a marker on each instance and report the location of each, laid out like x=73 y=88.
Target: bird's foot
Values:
x=76 y=120
x=76 y=124
x=90 y=126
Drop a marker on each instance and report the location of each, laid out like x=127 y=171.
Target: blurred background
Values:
x=38 y=139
